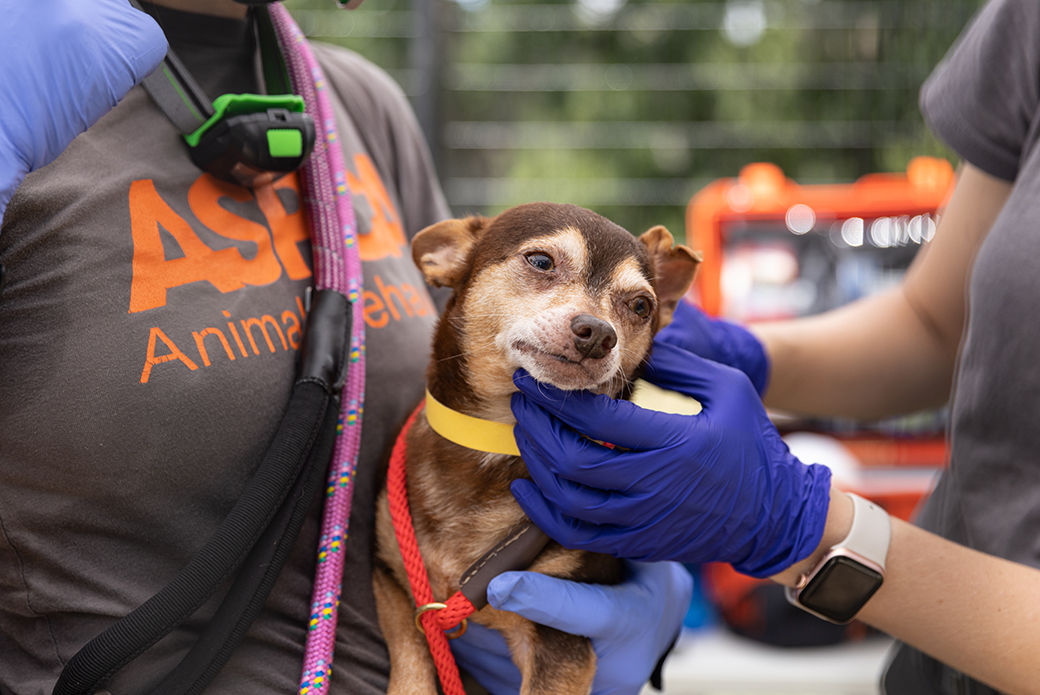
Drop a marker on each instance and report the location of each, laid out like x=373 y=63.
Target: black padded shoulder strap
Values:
x=254 y=539
x=183 y=101
x=176 y=92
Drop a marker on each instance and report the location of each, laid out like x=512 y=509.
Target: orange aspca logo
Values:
x=385 y=235
x=213 y=342
x=227 y=269
x=216 y=343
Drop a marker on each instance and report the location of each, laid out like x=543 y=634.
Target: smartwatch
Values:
x=851 y=571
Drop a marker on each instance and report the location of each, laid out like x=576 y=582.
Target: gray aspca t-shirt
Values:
x=984 y=101
x=148 y=334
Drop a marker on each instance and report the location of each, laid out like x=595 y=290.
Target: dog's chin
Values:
x=564 y=373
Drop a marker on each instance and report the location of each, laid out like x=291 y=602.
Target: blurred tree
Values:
x=630 y=106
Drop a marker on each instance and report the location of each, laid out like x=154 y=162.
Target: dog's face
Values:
x=556 y=289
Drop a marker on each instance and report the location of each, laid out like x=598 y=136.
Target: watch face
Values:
x=840 y=589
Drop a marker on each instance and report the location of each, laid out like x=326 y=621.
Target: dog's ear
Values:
x=442 y=250
x=675 y=266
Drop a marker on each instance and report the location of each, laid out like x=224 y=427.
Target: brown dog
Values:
x=575 y=300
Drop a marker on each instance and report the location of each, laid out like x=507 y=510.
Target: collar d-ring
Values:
x=459 y=631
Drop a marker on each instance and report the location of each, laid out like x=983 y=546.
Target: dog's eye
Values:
x=541 y=261
x=640 y=306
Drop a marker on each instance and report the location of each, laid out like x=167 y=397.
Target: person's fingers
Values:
x=577 y=608
x=549 y=447
x=678 y=369
x=689 y=329
x=726 y=394
x=148 y=46
x=483 y=653
x=592 y=504
x=598 y=417
x=490 y=642
x=672 y=581
x=549 y=438
x=655 y=590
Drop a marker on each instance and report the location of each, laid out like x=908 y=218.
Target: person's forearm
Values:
x=892 y=353
x=975 y=612
x=978 y=613
x=871 y=359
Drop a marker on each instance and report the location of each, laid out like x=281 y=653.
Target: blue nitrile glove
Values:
x=719 y=341
x=630 y=624
x=719 y=486
x=64 y=64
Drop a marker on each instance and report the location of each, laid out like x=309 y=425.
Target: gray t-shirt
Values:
x=984 y=101
x=148 y=335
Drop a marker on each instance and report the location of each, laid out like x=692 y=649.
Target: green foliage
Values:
x=630 y=112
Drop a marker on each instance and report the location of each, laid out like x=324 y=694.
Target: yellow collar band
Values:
x=470 y=432
x=497 y=438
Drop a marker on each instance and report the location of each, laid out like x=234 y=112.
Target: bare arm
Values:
x=894 y=352
x=975 y=612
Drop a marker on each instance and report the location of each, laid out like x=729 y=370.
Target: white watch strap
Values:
x=870 y=533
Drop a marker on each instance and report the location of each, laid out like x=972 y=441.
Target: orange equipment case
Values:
x=762 y=194
x=898 y=468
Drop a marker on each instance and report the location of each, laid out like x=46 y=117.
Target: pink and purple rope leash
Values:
x=337 y=266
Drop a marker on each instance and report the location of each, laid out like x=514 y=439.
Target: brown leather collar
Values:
x=516 y=551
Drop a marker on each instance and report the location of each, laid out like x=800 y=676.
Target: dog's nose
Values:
x=593 y=337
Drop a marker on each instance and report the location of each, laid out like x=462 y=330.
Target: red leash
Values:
x=431 y=618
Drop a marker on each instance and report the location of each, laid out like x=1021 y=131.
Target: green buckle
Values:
x=227 y=105
x=285 y=142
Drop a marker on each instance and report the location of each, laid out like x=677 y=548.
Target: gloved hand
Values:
x=64 y=64
x=719 y=486
x=719 y=341
x=630 y=624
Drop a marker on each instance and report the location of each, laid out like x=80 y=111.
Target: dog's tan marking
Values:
x=634 y=333
x=534 y=328
x=567 y=245
x=500 y=303
x=629 y=279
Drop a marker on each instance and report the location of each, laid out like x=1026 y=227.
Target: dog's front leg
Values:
x=551 y=662
x=411 y=666
x=561 y=664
